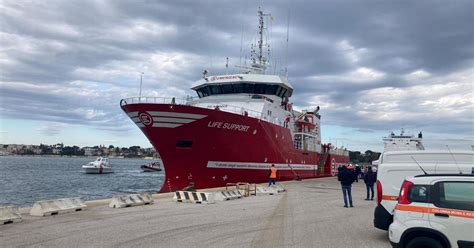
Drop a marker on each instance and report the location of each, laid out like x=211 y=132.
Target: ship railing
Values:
x=235 y=110
x=190 y=101
x=306 y=145
x=298 y=144
x=155 y=100
x=339 y=151
x=310 y=134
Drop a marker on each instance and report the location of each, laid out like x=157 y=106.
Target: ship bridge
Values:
x=265 y=96
x=274 y=85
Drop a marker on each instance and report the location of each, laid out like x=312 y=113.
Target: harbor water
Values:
x=25 y=180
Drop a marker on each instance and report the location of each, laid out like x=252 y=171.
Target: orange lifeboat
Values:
x=306 y=122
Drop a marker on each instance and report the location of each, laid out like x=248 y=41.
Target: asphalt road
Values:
x=309 y=214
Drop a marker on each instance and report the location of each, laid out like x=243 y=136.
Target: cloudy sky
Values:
x=373 y=66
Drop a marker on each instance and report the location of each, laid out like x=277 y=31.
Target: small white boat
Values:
x=99 y=166
x=151 y=167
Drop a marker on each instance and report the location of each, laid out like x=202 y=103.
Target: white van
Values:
x=395 y=166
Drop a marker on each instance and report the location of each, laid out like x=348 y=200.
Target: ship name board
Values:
x=224 y=77
x=229 y=126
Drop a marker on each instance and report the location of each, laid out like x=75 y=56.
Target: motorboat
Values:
x=99 y=166
x=151 y=167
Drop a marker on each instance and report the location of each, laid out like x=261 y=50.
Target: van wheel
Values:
x=424 y=242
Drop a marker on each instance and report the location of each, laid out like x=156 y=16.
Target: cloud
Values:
x=51 y=128
x=417 y=75
x=359 y=75
x=370 y=65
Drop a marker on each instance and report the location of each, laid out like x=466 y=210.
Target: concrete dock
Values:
x=309 y=214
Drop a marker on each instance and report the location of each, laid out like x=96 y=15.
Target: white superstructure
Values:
x=403 y=142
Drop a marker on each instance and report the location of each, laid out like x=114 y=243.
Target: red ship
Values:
x=239 y=126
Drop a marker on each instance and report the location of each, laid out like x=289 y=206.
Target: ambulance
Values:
x=395 y=166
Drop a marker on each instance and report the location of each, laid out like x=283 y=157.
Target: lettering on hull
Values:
x=229 y=126
x=259 y=166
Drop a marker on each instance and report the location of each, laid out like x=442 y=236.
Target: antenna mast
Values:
x=259 y=63
x=456 y=162
x=287 y=39
x=141 y=80
x=242 y=35
x=419 y=165
x=260 y=37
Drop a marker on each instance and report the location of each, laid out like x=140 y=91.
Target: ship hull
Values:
x=96 y=170
x=149 y=169
x=211 y=148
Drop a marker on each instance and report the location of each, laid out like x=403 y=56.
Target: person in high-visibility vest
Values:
x=273 y=175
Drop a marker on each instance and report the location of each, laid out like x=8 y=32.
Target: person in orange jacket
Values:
x=273 y=175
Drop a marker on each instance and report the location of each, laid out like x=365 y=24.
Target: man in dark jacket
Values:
x=369 y=180
x=346 y=177
x=357 y=173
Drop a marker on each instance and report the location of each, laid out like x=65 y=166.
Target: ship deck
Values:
x=309 y=214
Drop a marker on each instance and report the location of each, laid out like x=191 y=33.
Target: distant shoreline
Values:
x=75 y=156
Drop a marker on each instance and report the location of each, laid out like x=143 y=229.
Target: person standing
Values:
x=346 y=177
x=273 y=175
x=357 y=172
x=369 y=180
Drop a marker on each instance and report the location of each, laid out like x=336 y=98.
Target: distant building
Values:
x=91 y=151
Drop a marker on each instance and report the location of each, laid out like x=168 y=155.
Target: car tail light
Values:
x=379 y=192
x=404 y=191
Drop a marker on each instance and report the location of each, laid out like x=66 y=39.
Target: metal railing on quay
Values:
x=246 y=187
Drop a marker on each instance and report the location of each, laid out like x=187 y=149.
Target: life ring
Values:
x=333 y=167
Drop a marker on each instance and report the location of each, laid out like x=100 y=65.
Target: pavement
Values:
x=309 y=214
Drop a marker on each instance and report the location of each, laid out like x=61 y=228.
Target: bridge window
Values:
x=216 y=89
x=249 y=88
x=279 y=90
x=259 y=89
x=238 y=88
x=271 y=89
x=226 y=89
x=282 y=93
